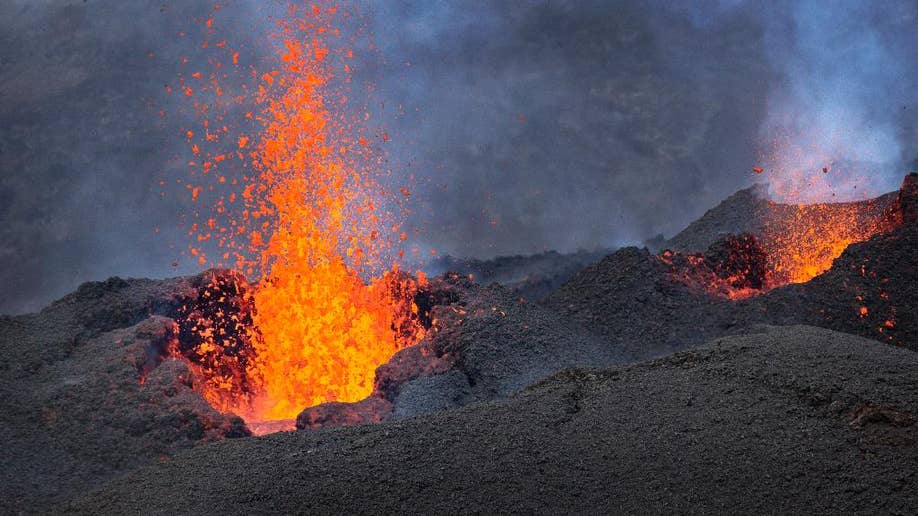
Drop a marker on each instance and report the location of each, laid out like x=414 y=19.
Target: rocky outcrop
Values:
x=80 y=405
x=368 y=410
x=908 y=199
x=484 y=343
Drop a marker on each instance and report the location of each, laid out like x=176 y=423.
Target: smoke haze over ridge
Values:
x=552 y=125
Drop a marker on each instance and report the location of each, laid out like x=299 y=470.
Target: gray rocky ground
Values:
x=794 y=419
x=73 y=410
x=532 y=276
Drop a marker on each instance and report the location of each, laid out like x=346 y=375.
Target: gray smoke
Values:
x=549 y=125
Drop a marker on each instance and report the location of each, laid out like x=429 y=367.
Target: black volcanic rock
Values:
x=369 y=410
x=87 y=391
x=738 y=260
x=908 y=198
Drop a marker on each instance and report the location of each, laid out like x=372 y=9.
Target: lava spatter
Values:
x=306 y=222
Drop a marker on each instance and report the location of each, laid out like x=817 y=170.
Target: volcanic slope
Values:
x=749 y=210
x=88 y=390
x=794 y=419
x=634 y=301
x=85 y=392
x=532 y=277
x=639 y=308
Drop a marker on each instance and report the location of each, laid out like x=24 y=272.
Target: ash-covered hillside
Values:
x=790 y=420
x=642 y=303
x=531 y=276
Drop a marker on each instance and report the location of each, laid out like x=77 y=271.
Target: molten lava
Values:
x=307 y=222
x=803 y=240
x=734 y=267
x=793 y=243
x=807 y=227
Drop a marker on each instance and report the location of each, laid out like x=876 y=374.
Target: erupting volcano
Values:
x=789 y=238
x=807 y=227
x=229 y=169
x=310 y=223
x=297 y=203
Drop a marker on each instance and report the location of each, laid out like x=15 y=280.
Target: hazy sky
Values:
x=545 y=125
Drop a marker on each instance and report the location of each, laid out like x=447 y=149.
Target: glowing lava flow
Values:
x=803 y=233
x=311 y=227
x=792 y=243
x=802 y=240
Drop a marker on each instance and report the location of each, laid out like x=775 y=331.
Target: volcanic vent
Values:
x=750 y=244
x=296 y=204
x=650 y=305
x=308 y=298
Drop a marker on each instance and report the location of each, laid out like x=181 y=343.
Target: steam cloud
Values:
x=554 y=125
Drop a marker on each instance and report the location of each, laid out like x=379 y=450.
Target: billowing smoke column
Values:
x=842 y=108
x=529 y=123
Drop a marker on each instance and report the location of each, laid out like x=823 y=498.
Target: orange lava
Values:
x=802 y=240
x=799 y=240
x=307 y=223
x=808 y=226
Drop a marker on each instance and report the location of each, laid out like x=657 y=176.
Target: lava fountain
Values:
x=790 y=240
x=806 y=226
x=323 y=303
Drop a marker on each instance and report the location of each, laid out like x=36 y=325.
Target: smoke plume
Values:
x=548 y=125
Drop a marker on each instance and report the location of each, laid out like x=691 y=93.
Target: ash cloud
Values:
x=848 y=86
x=82 y=146
x=551 y=125
x=574 y=124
